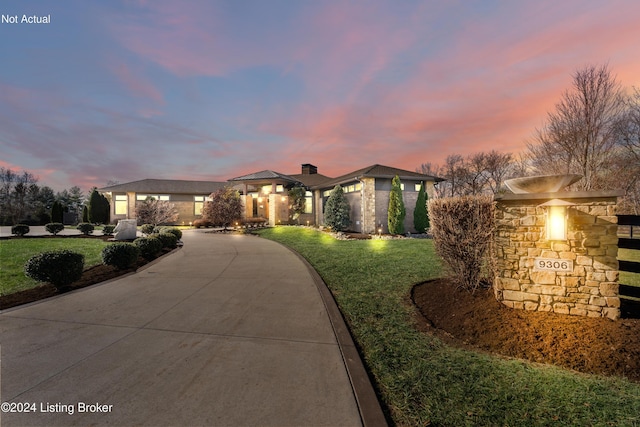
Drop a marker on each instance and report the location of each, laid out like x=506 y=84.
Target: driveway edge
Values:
x=369 y=407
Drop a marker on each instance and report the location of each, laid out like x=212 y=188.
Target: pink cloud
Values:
x=139 y=86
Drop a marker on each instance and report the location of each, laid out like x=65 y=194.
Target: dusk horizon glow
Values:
x=197 y=90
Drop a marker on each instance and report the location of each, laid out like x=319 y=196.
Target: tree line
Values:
x=594 y=131
x=23 y=201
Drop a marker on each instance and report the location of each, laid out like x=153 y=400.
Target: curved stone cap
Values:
x=541 y=183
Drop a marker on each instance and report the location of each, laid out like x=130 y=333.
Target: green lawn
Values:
x=420 y=379
x=625 y=277
x=15 y=252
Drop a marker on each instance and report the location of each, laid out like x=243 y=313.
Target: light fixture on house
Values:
x=556 y=218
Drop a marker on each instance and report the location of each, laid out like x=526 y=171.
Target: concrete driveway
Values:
x=229 y=330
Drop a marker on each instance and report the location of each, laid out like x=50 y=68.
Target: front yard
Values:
x=423 y=381
x=15 y=252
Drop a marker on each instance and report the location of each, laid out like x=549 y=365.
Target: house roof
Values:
x=377 y=171
x=166 y=186
x=311 y=180
x=264 y=175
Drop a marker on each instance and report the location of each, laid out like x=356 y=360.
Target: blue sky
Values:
x=127 y=90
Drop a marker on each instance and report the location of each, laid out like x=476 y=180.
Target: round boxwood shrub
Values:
x=121 y=255
x=54 y=227
x=147 y=228
x=168 y=240
x=107 y=230
x=20 y=229
x=173 y=230
x=149 y=247
x=85 y=228
x=60 y=268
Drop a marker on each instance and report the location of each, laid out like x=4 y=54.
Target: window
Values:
x=198 y=204
x=402 y=186
x=279 y=188
x=308 y=202
x=143 y=197
x=417 y=187
x=121 y=204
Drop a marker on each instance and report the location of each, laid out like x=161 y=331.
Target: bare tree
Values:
x=579 y=136
x=499 y=166
x=156 y=212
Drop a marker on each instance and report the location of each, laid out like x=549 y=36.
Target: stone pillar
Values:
x=590 y=287
x=369 y=205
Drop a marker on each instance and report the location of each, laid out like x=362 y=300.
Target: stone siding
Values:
x=591 y=289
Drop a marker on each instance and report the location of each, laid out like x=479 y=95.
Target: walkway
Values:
x=229 y=330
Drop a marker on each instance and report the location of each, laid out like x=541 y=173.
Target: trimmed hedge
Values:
x=168 y=240
x=54 y=227
x=60 y=268
x=149 y=247
x=20 y=229
x=85 y=228
x=173 y=230
x=147 y=228
x=121 y=255
x=107 y=230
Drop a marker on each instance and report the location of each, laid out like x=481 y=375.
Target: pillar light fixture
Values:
x=556 y=218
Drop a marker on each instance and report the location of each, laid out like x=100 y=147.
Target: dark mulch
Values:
x=591 y=345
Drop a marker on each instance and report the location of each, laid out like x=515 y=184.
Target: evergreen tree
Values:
x=85 y=214
x=56 y=212
x=297 y=202
x=98 y=210
x=336 y=211
x=396 y=211
x=420 y=214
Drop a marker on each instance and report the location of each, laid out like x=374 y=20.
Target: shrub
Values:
x=20 y=229
x=85 y=228
x=149 y=247
x=336 y=211
x=396 y=211
x=147 y=228
x=420 y=215
x=107 y=230
x=168 y=240
x=173 y=230
x=54 y=227
x=60 y=268
x=57 y=212
x=202 y=223
x=463 y=235
x=121 y=255
x=152 y=211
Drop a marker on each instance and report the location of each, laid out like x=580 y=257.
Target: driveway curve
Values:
x=229 y=330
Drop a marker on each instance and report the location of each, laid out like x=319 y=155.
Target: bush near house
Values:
x=202 y=223
x=54 y=227
x=107 y=230
x=396 y=211
x=120 y=255
x=420 y=214
x=336 y=211
x=173 y=230
x=462 y=230
x=20 y=229
x=60 y=268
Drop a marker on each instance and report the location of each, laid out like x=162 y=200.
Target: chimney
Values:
x=309 y=169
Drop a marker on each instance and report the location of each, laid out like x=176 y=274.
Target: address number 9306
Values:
x=553 y=264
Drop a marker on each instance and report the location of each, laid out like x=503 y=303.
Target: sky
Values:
x=122 y=90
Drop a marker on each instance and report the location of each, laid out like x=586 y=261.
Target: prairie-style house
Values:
x=264 y=195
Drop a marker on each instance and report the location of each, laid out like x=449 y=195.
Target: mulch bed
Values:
x=479 y=321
